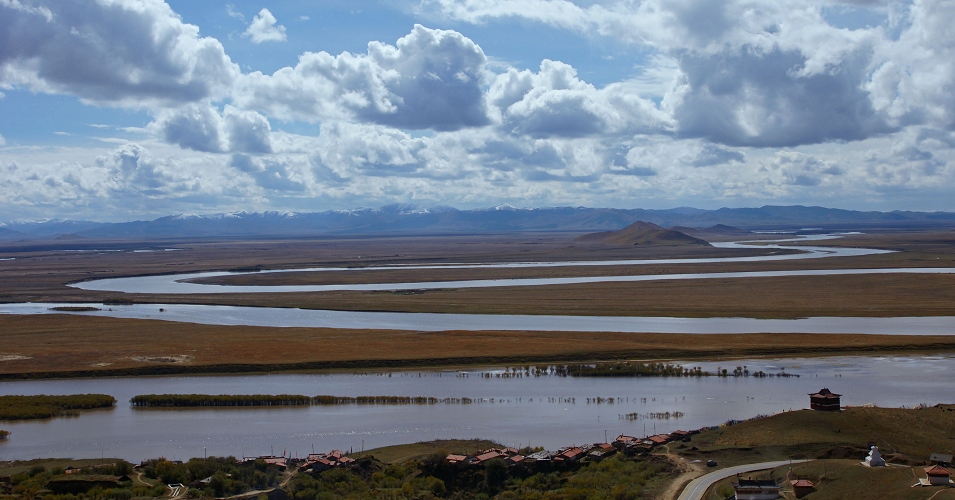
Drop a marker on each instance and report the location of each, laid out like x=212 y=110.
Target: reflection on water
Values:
x=545 y=411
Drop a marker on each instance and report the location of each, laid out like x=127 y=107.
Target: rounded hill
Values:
x=643 y=234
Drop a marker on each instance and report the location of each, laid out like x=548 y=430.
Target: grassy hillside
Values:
x=904 y=436
x=644 y=234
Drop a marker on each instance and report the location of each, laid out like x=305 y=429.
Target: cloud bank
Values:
x=735 y=102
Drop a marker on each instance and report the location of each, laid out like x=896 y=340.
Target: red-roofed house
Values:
x=514 y=460
x=938 y=475
x=456 y=459
x=659 y=439
x=487 y=455
x=802 y=487
x=572 y=454
x=601 y=450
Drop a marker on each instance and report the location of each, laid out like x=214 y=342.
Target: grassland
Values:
x=416 y=451
x=60 y=344
x=837 y=442
x=65 y=345
x=841 y=479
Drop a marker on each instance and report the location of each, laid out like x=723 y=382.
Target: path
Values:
x=697 y=488
x=688 y=472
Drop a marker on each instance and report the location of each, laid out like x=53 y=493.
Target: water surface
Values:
x=544 y=411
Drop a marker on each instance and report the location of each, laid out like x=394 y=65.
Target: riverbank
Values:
x=835 y=442
x=68 y=346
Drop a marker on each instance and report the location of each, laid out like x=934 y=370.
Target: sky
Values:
x=115 y=110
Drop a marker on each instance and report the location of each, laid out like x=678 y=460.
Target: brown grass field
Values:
x=40 y=273
x=65 y=345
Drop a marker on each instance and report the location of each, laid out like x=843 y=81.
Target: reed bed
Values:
x=43 y=406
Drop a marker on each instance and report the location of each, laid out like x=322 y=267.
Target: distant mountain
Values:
x=712 y=231
x=10 y=235
x=51 y=228
x=412 y=219
x=643 y=234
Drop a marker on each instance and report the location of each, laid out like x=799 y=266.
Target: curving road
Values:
x=697 y=487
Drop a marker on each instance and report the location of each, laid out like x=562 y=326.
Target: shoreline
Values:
x=476 y=362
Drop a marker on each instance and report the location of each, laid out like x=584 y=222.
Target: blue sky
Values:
x=131 y=109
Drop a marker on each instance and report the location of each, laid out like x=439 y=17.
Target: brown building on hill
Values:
x=825 y=400
x=802 y=487
x=938 y=476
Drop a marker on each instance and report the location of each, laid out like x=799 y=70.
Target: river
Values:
x=547 y=411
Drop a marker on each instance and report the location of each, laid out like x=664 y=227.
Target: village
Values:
x=935 y=474
x=685 y=460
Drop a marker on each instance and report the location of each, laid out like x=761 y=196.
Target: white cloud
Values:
x=201 y=127
x=429 y=79
x=747 y=72
x=117 y=52
x=3 y=141
x=554 y=102
x=231 y=12
x=914 y=77
x=265 y=28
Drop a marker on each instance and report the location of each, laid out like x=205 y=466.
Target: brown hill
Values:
x=644 y=234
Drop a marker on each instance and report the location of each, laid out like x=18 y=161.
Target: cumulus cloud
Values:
x=914 y=77
x=270 y=174
x=265 y=28
x=800 y=169
x=762 y=74
x=554 y=102
x=430 y=79
x=752 y=99
x=201 y=127
x=117 y=52
x=3 y=142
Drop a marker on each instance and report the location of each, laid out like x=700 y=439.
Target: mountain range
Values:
x=410 y=220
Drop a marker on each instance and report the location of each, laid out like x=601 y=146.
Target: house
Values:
x=321 y=462
x=802 y=487
x=756 y=489
x=659 y=439
x=515 y=460
x=486 y=455
x=568 y=455
x=623 y=442
x=940 y=459
x=937 y=475
x=825 y=400
x=679 y=435
x=541 y=456
x=276 y=461
x=601 y=451
x=456 y=459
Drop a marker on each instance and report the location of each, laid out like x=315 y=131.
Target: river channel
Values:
x=547 y=411
x=291 y=317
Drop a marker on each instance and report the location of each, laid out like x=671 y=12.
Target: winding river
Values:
x=291 y=317
x=190 y=283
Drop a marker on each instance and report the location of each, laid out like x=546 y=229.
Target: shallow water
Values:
x=528 y=410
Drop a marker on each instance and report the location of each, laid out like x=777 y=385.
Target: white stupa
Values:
x=875 y=458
